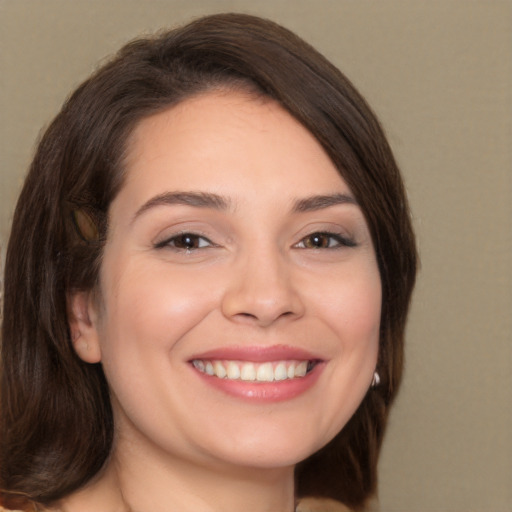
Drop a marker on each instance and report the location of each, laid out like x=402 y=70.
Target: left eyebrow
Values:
x=310 y=204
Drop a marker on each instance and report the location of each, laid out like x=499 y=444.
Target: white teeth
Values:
x=301 y=369
x=199 y=364
x=219 y=369
x=280 y=372
x=253 y=372
x=265 y=373
x=248 y=372
x=233 y=370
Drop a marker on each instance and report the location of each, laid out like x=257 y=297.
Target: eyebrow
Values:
x=217 y=202
x=197 y=199
x=310 y=204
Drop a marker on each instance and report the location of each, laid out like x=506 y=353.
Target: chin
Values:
x=273 y=447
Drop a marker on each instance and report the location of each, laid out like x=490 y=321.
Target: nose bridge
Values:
x=261 y=288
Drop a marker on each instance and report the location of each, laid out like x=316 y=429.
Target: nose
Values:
x=261 y=291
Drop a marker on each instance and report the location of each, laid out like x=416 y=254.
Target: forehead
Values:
x=232 y=143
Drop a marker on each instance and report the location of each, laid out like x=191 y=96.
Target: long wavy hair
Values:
x=56 y=424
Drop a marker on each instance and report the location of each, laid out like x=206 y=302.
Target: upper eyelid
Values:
x=183 y=228
x=327 y=228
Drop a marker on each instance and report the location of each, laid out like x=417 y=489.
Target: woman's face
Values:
x=240 y=294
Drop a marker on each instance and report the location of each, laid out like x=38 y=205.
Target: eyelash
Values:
x=339 y=241
x=188 y=241
x=185 y=239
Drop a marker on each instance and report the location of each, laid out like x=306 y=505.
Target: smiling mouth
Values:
x=255 y=372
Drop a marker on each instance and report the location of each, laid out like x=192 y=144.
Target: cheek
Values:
x=351 y=306
x=149 y=309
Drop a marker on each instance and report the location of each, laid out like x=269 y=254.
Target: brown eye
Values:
x=317 y=241
x=185 y=242
x=322 y=240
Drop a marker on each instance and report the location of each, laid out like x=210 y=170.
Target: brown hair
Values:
x=56 y=419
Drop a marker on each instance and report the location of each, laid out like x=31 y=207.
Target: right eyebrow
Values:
x=196 y=199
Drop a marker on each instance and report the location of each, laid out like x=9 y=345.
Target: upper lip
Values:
x=258 y=354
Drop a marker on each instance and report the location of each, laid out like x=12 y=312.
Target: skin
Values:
x=252 y=277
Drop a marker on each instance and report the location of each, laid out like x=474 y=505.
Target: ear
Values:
x=82 y=318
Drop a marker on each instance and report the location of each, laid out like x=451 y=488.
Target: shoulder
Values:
x=321 y=505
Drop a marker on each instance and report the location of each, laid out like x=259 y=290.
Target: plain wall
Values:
x=439 y=74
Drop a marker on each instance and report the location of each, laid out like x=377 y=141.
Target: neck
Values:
x=181 y=485
x=134 y=483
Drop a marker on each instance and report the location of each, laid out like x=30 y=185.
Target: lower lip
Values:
x=276 y=391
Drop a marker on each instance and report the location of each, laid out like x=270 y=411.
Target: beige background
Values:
x=439 y=73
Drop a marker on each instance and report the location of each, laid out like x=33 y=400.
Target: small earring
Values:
x=376 y=379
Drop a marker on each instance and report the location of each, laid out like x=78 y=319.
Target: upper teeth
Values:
x=257 y=372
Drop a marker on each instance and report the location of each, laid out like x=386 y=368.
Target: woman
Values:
x=206 y=284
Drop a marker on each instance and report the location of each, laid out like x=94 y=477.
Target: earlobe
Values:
x=82 y=326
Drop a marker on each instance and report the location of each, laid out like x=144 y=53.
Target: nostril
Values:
x=252 y=316
x=247 y=315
